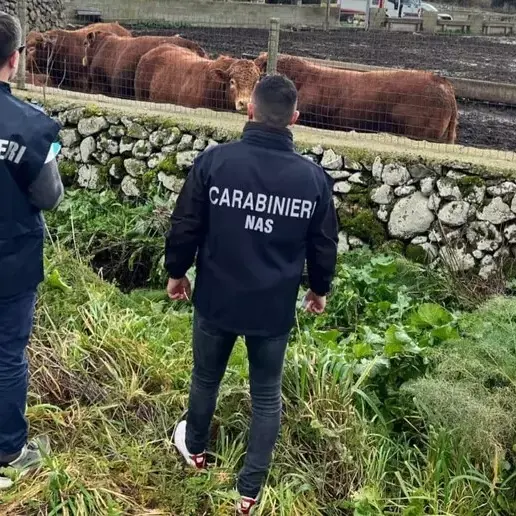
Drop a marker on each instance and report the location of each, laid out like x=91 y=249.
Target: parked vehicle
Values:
x=395 y=8
x=430 y=8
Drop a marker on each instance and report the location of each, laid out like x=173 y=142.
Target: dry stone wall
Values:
x=42 y=15
x=432 y=212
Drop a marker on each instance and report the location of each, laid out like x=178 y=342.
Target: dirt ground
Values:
x=484 y=58
x=492 y=127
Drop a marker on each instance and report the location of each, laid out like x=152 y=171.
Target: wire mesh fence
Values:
x=427 y=87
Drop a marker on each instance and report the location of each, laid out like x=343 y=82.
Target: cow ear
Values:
x=261 y=62
x=92 y=36
x=219 y=75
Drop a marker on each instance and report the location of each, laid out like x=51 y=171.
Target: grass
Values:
x=400 y=400
x=123 y=241
x=478 y=372
x=110 y=377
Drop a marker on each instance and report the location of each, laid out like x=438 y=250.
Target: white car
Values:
x=430 y=8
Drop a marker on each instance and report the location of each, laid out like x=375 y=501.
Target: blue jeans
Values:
x=16 y=318
x=212 y=348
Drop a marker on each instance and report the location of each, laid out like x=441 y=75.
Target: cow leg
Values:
x=123 y=85
x=418 y=122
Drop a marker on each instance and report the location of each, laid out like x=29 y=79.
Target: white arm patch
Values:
x=53 y=152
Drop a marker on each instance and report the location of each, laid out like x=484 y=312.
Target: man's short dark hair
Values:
x=275 y=100
x=10 y=36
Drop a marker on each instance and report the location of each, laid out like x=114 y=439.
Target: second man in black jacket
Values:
x=252 y=212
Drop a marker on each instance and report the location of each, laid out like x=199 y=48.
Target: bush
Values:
x=472 y=387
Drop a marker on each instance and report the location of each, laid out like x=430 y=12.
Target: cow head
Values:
x=240 y=79
x=293 y=67
x=92 y=42
x=41 y=50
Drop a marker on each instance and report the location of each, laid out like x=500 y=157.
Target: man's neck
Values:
x=267 y=126
x=5 y=75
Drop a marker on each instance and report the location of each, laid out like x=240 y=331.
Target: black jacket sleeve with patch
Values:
x=188 y=224
x=321 y=256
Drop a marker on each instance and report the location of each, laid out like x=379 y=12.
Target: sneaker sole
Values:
x=172 y=435
x=5 y=483
x=178 y=449
x=173 y=442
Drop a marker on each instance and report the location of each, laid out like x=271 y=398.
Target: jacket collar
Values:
x=262 y=135
x=4 y=86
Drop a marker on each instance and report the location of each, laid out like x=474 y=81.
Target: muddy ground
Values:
x=484 y=58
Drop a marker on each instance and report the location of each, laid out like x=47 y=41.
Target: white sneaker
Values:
x=5 y=482
x=197 y=461
x=30 y=457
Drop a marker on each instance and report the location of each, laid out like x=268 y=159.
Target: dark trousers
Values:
x=212 y=348
x=16 y=318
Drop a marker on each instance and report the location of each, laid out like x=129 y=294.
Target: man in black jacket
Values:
x=253 y=211
x=29 y=182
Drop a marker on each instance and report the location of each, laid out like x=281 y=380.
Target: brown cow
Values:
x=171 y=74
x=113 y=60
x=59 y=53
x=415 y=104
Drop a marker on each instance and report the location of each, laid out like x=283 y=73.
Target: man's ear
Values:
x=294 y=118
x=13 y=65
x=250 y=111
x=219 y=75
x=13 y=60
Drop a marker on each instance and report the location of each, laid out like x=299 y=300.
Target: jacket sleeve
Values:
x=322 y=243
x=47 y=190
x=188 y=224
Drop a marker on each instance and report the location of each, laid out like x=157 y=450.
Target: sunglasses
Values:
x=19 y=49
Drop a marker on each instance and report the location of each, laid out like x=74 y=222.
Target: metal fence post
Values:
x=327 y=18
x=22 y=67
x=368 y=15
x=272 y=58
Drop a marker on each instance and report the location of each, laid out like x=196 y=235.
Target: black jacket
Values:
x=254 y=211
x=26 y=135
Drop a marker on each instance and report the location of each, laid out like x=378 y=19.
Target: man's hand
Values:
x=315 y=304
x=179 y=289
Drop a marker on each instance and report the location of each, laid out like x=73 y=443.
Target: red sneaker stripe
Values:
x=200 y=460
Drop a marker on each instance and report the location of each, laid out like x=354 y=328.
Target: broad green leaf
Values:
x=362 y=350
x=54 y=280
x=376 y=366
x=434 y=315
x=384 y=306
x=326 y=337
x=396 y=341
x=384 y=263
x=445 y=333
x=371 y=337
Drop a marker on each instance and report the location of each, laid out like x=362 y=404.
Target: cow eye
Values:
x=232 y=82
